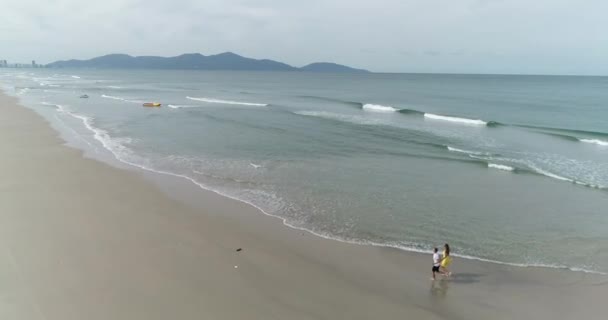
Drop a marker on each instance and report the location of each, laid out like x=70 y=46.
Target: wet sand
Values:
x=80 y=239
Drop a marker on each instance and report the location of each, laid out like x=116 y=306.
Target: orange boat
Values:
x=151 y=104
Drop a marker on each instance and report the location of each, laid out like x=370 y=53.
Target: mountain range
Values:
x=197 y=61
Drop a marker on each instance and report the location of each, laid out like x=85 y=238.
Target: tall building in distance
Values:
x=34 y=64
x=3 y=64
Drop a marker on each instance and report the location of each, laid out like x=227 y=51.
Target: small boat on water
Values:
x=84 y=96
x=151 y=104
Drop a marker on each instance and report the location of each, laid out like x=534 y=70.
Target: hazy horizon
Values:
x=410 y=36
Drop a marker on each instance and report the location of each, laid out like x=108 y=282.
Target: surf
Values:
x=379 y=108
x=595 y=141
x=500 y=167
x=220 y=101
x=479 y=153
x=590 y=140
x=119 y=98
x=431 y=116
x=113 y=97
x=466 y=121
x=552 y=175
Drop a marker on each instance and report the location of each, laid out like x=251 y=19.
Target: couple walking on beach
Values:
x=442 y=261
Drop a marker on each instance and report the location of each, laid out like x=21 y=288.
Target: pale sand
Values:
x=80 y=239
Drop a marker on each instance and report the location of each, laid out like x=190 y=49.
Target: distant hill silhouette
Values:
x=196 y=61
x=329 y=67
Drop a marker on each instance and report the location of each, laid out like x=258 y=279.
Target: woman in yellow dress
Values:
x=446 y=260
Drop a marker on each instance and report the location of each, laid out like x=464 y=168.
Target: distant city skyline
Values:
x=439 y=36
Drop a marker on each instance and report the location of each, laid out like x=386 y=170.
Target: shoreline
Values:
x=282 y=272
x=112 y=158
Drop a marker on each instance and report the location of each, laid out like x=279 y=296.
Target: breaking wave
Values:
x=561 y=178
x=479 y=153
x=455 y=119
x=379 y=108
x=211 y=100
x=466 y=121
x=372 y=107
x=525 y=166
x=500 y=167
x=113 y=97
x=120 y=99
x=595 y=141
x=179 y=106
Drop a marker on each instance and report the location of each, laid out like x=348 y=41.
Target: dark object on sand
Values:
x=84 y=96
x=239 y=249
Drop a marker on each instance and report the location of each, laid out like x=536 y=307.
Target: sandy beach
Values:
x=81 y=239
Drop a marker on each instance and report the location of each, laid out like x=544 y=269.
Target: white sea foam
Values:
x=595 y=141
x=422 y=249
x=500 y=167
x=379 y=108
x=44 y=103
x=75 y=133
x=561 y=178
x=536 y=169
x=466 y=151
x=179 y=106
x=22 y=91
x=455 y=119
x=114 y=87
x=112 y=97
x=550 y=174
x=76 y=77
x=120 y=99
x=211 y=100
x=114 y=145
x=256 y=166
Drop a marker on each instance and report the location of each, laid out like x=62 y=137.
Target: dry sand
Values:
x=80 y=239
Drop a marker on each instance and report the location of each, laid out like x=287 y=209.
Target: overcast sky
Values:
x=471 y=36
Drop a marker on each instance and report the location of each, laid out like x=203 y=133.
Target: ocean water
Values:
x=510 y=169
